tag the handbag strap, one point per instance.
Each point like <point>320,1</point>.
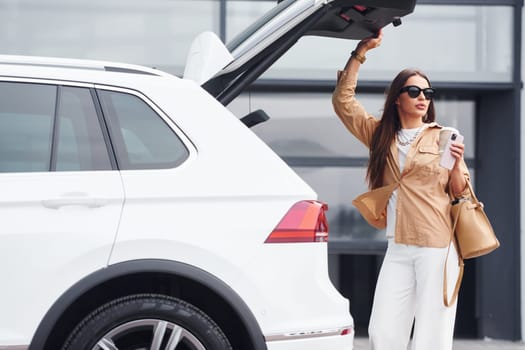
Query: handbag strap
<point>473,198</point>
<point>461,264</point>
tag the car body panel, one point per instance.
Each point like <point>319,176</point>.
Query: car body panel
<point>220,181</point>
<point>314,343</point>
<point>251,183</point>
<point>57,227</point>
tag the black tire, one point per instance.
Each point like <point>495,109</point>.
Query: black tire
<point>136,322</point>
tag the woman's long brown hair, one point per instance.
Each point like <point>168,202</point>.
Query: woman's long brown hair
<point>388,126</point>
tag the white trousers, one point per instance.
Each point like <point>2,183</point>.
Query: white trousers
<point>409,292</point>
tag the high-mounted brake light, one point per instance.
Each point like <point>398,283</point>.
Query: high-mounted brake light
<point>304,222</point>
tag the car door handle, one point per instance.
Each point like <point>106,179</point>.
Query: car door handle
<point>74,199</point>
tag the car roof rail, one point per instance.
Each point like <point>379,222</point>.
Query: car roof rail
<point>79,64</point>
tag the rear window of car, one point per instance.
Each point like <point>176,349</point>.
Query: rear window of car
<point>140,137</point>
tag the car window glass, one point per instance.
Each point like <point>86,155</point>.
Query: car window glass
<point>263,20</point>
<point>26,123</point>
<point>142,140</point>
<point>80,144</point>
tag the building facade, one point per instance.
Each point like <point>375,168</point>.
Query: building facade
<point>470,49</point>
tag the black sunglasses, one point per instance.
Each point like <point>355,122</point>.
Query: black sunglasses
<point>414,91</point>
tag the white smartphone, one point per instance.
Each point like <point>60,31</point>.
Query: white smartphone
<point>447,159</point>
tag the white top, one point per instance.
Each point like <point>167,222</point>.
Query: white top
<point>407,136</point>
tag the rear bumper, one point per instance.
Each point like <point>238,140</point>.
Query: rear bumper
<point>315,340</point>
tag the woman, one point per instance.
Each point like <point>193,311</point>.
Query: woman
<point>410,198</point>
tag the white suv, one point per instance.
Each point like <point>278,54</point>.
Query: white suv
<point>139,213</point>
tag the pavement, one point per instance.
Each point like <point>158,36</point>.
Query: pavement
<point>462,344</point>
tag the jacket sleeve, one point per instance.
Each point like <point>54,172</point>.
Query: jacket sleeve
<point>466,174</point>
<point>360,123</point>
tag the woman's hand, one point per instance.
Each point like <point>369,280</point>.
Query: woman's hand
<point>369,43</point>
<point>457,178</point>
<point>362,47</point>
<point>457,150</point>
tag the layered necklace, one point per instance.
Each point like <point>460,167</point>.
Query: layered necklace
<point>404,140</point>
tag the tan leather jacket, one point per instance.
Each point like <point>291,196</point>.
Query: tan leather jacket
<point>423,202</point>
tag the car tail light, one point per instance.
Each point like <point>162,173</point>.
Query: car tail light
<point>304,222</point>
<point>347,331</point>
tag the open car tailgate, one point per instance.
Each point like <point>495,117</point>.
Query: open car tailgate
<point>255,49</point>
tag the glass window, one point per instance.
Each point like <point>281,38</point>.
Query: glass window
<point>153,33</point>
<point>80,144</point>
<point>448,42</point>
<point>305,125</point>
<point>142,140</point>
<point>255,26</point>
<point>242,15</point>
<point>26,126</point>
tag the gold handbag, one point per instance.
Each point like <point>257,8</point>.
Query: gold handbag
<point>473,235</point>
